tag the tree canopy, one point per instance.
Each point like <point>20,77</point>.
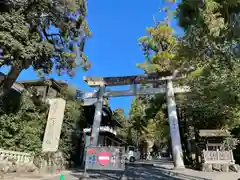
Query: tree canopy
<point>42,34</point>
<point>210,44</point>
<point>148,113</point>
<point>211,39</point>
<point>24,130</point>
<point>125,132</point>
<point>148,120</point>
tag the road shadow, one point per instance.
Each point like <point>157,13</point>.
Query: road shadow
<point>132,173</point>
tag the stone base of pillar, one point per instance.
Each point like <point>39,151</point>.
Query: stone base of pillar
<point>85,176</point>
<point>48,170</point>
<point>123,177</point>
<point>50,162</point>
<point>179,168</point>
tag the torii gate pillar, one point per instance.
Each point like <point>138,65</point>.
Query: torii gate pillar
<point>97,117</point>
<point>174,127</point>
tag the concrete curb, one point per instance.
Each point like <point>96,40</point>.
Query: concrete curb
<point>140,164</point>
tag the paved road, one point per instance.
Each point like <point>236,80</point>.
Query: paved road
<point>162,170</point>
<point>132,173</point>
<point>153,173</point>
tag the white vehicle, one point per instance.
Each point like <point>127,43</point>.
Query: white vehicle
<point>132,154</point>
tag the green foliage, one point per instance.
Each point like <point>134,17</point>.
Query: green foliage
<point>26,37</point>
<point>148,120</point>
<point>159,49</point>
<point>210,43</point>
<point>73,122</point>
<point>26,26</point>
<point>24,130</point>
<point>137,114</point>
<point>230,143</point>
<point>118,114</point>
<point>217,18</point>
<point>68,93</point>
<point>125,132</point>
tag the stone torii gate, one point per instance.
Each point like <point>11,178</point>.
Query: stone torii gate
<point>164,78</point>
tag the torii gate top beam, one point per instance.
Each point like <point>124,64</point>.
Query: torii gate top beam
<point>138,91</point>
<point>128,80</point>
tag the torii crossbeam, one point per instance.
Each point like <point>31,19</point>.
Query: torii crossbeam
<point>163,78</point>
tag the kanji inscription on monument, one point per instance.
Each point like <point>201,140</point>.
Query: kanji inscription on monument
<point>54,125</point>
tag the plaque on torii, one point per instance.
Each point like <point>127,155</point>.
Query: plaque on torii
<point>165,87</point>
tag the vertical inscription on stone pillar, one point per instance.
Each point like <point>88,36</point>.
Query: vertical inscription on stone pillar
<point>54,125</point>
<point>174,127</point>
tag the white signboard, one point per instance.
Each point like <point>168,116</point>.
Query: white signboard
<point>54,125</point>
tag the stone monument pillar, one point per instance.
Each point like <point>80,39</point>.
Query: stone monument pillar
<point>53,130</point>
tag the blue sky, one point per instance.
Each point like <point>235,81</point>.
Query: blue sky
<point>113,50</point>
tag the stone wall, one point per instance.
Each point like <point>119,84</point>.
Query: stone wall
<point>20,162</point>
<point>13,161</point>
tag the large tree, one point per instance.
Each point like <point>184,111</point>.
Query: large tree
<point>148,119</point>
<point>124,132</point>
<point>211,43</point>
<point>160,48</point>
<point>42,34</point>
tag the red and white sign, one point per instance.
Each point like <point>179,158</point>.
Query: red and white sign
<point>104,158</point>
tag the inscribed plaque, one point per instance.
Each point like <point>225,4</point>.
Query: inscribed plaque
<point>54,125</point>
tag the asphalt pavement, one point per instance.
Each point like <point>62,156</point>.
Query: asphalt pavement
<point>154,170</point>
<point>131,172</point>
<point>142,170</point>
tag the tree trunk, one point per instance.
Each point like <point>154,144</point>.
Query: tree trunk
<point>137,143</point>
<point>197,149</point>
<point>10,79</point>
<point>150,143</point>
